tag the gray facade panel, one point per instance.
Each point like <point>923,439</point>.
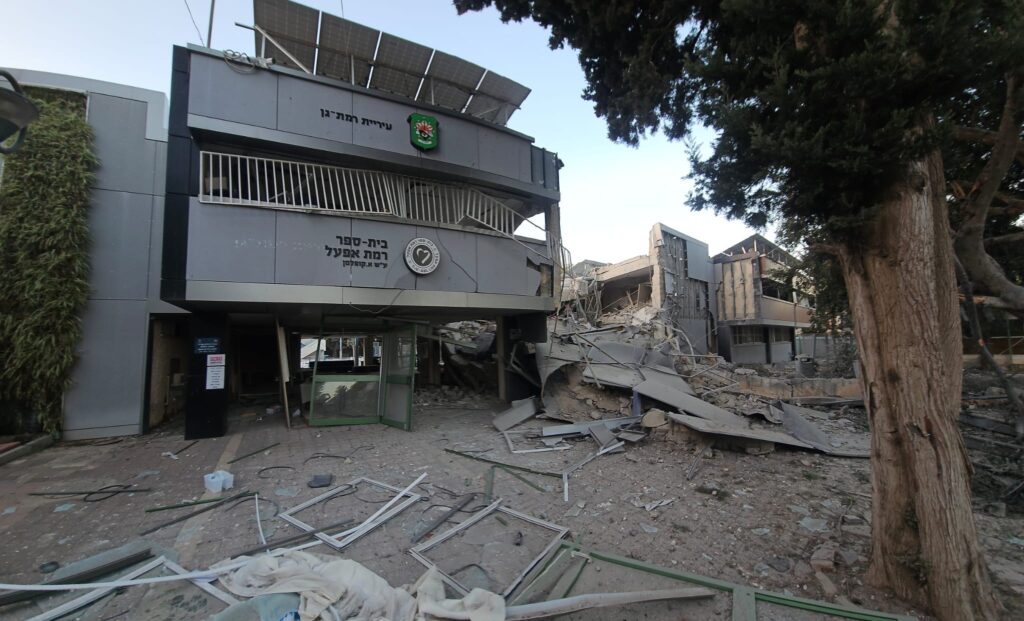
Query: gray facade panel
<point>160,170</point>
<point>459,143</point>
<point>127,159</point>
<point>458,266</point>
<point>782,351</point>
<point>752,353</point>
<point>304,250</point>
<point>119,227</point>
<point>156,248</point>
<point>313,109</point>
<point>505,155</point>
<point>501,267</point>
<point>217,91</point>
<point>230,243</point>
<point>394,135</point>
<point>380,248</point>
<point>698,264</point>
<point>108,377</point>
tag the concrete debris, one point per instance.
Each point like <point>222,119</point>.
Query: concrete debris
<point>827,586</point>
<point>521,411</point>
<point>814,525</point>
<point>653,418</point>
<point>823,558</point>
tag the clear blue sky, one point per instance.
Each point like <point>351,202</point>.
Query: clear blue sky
<point>611,194</point>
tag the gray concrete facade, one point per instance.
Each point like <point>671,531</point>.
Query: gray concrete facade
<point>107,395</point>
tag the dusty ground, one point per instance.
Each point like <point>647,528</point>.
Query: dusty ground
<point>738,519</point>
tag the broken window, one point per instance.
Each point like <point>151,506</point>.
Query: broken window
<point>745,335</point>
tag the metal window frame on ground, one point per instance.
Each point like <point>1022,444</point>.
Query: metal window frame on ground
<point>333,540</point>
<point>90,597</point>
<point>744,598</point>
<point>419,552</point>
<point>508,440</point>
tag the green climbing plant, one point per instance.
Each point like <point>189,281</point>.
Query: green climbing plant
<point>44,260</point>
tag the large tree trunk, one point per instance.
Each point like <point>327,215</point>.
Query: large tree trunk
<point>902,295</point>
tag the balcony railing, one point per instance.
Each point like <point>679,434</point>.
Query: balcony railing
<point>281,184</point>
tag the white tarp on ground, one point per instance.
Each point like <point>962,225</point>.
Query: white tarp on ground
<point>333,588</point>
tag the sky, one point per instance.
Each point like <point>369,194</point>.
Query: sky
<point>611,193</point>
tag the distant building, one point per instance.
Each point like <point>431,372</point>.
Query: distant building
<point>762,302</point>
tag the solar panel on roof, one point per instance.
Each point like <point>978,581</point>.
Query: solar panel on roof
<point>397,53</point>
<point>344,46</point>
<point>349,51</point>
<point>292,25</point>
<point>450,80</point>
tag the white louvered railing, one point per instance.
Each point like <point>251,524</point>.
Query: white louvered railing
<point>264,182</point>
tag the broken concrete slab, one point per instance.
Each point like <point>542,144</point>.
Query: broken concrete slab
<point>713,427</point>
<point>689,404</point>
<point>608,375</point>
<point>801,428</point>
<point>668,377</point>
<point>521,411</point>
<point>602,435</point>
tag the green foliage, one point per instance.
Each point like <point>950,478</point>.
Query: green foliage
<point>817,106</point>
<point>44,258</point>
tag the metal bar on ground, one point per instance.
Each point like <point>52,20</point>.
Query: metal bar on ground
<point>434,525</point>
<point>254,452</point>
<point>92,596</point>
<point>182,518</point>
<point>87,575</point>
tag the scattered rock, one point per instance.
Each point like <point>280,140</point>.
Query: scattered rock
<point>827,586</point>
<point>762,569</point>
<point>995,391</point>
<point>823,558</point>
<point>815,525</point>
<point>799,509</point>
<point>761,531</point>
<point>576,509</point>
<point>745,371</point>
<point>654,418</point>
<point>780,564</point>
<point>861,530</point>
<point>849,557</point>
<point>802,569</point>
<point>596,415</point>
<point>49,567</point>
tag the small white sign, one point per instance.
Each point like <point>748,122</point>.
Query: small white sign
<point>215,378</point>
<point>215,360</point>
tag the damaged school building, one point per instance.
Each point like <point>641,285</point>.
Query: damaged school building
<point>316,248</point>
<point>348,192</point>
<point>748,303</point>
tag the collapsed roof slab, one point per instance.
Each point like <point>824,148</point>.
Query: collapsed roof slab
<point>637,267</point>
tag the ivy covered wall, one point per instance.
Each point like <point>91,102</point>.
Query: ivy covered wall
<point>44,260</point>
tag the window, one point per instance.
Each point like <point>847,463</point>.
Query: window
<point>780,335</point>
<point>747,335</point>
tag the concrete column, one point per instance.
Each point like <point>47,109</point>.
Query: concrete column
<point>501,335</point>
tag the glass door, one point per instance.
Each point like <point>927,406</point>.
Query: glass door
<point>398,370</point>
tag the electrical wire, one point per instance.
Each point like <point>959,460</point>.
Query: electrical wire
<point>189,9</point>
<point>237,60</point>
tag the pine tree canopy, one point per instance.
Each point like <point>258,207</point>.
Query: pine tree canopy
<point>817,106</point>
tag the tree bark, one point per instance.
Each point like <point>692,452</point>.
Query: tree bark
<point>903,301</point>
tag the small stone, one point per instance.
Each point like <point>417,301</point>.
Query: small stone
<point>745,371</point>
<point>802,569</point>
<point>799,509</point>
<point>814,525</point>
<point>861,530</point>
<point>596,415</point>
<point>823,558</point>
<point>632,532</point>
<point>762,569</point>
<point>827,586</point>
<point>49,567</point>
<point>780,564</point>
<point>849,557</point>
<point>761,531</point>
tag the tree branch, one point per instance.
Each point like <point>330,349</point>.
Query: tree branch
<point>976,204</point>
<point>1004,239</point>
<point>970,315</point>
<point>983,136</point>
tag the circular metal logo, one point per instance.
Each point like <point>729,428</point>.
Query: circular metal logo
<point>422,256</point>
